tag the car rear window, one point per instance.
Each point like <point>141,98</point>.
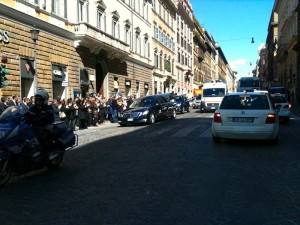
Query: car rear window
<point>245,101</point>
<point>279,99</point>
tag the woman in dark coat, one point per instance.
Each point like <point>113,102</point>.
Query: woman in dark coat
<point>82,112</point>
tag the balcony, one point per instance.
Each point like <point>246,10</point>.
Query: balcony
<point>97,40</point>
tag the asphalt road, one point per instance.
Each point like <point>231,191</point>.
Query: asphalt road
<point>167,173</point>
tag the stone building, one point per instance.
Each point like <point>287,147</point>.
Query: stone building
<point>164,45</point>
<point>199,55</point>
<point>83,47</point>
<point>284,69</point>
<point>184,62</point>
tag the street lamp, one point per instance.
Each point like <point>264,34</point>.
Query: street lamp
<point>34,36</point>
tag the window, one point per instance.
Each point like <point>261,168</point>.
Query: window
<point>138,43</point>
<point>101,16</point>
<point>115,29</point>
<point>167,65</point>
<point>156,60</point>
<point>58,7</point>
<point>138,40</point>
<point>160,60</point>
<point>127,36</point>
<point>146,46</point>
<point>100,19</point>
<point>80,10</point>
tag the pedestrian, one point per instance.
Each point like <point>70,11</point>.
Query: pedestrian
<point>54,105</point>
<point>3,104</point>
<point>14,101</point>
<point>82,111</point>
<point>25,104</point>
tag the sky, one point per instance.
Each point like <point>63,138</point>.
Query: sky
<point>233,24</point>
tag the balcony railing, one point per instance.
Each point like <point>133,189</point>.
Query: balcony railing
<point>93,38</point>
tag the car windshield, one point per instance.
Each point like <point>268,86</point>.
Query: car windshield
<point>143,102</point>
<point>213,92</point>
<point>245,101</point>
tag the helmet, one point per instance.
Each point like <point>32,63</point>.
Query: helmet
<point>43,94</point>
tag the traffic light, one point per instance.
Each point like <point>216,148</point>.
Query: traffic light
<point>3,73</point>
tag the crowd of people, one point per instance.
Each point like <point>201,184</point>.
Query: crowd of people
<point>80,113</point>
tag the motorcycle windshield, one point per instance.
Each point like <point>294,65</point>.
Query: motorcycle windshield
<point>12,114</point>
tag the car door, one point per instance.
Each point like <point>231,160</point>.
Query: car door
<point>163,105</point>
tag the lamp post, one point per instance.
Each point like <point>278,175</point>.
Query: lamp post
<point>34,36</point>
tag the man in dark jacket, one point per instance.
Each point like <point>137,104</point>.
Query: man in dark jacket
<point>3,104</point>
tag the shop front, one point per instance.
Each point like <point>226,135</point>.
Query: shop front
<point>27,75</point>
<point>59,81</point>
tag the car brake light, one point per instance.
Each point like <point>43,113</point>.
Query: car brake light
<point>217,118</point>
<point>271,118</point>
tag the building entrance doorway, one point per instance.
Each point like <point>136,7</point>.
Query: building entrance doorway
<point>100,78</point>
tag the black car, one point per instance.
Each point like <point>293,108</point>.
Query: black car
<point>147,110</point>
<point>182,103</point>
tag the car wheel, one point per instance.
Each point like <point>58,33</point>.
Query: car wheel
<point>173,114</point>
<point>5,171</point>
<point>216,139</point>
<point>151,118</point>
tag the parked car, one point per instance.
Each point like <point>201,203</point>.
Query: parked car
<point>197,102</point>
<point>283,107</point>
<point>147,110</point>
<point>248,115</point>
<point>182,103</point>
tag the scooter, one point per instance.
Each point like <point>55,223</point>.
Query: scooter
<point>20,150</point>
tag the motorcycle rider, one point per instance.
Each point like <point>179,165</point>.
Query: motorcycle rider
<point>39,116</point>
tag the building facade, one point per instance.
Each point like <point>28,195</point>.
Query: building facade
<point>83,47</point>
<point>184,62</point>
<point>111,47</point>
<point>286,46</point>
<point>164,45</point>
<point>199,55</point>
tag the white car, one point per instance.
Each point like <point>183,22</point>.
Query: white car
<point>246,115</point>
<point>284,107</point>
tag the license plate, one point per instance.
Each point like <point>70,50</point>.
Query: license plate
<point>130,119</point>
<point>242,119</point>
<point>212,107</point>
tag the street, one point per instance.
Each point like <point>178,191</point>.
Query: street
<point>167,173</point>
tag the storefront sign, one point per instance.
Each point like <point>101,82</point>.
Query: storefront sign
<point>127,83</point>
<point>4,36</point>
<point>58,73</point>
<point>65,82</point>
